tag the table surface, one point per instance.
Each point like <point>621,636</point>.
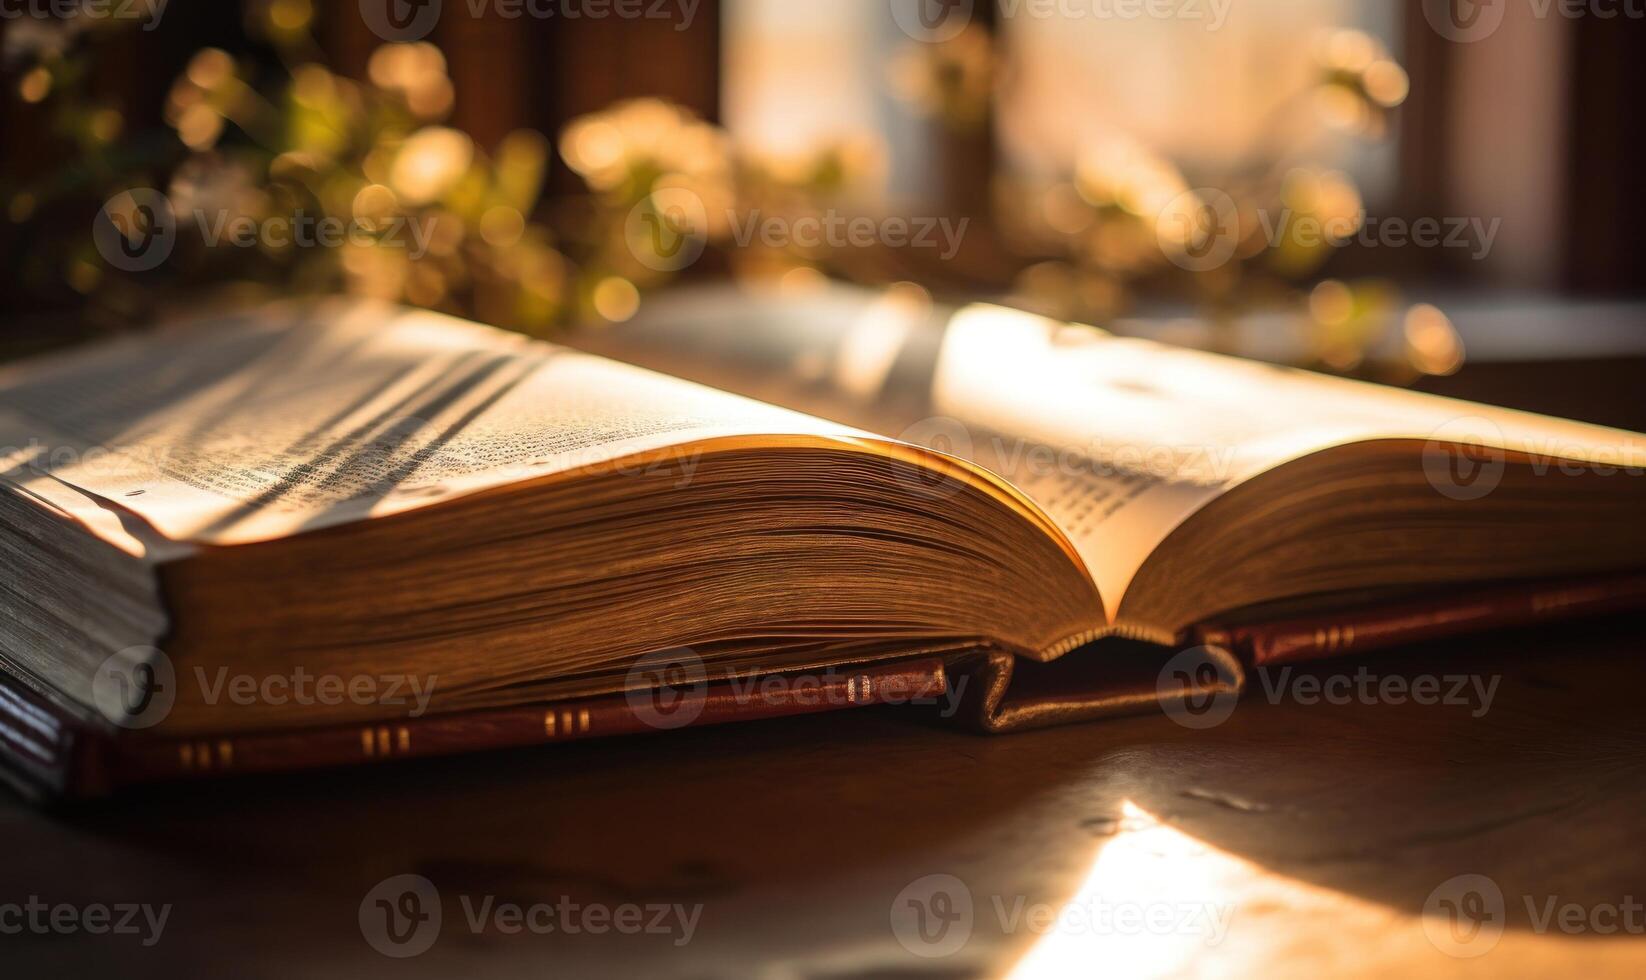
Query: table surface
<point>1298,836</point>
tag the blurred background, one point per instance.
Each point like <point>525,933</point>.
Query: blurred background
<point>1428,192</point>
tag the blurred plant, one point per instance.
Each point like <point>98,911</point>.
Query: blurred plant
<point>1126,223</point>
<point>417,212</point>
<point>666,187</point>
<point>436,221</point>
<point>951,80</point>
<point>660,183</point>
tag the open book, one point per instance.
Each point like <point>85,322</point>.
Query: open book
<point>471,539</point>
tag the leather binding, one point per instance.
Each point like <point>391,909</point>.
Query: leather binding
<point>47,752</point>
<point>1005,693</point>
<point>1377,627</point>
<point>1008,693</point>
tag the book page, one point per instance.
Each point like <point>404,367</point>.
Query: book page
<point>266,424</point>
<point>1118,440</point>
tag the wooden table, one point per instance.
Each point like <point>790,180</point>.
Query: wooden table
<point>1292,839</point>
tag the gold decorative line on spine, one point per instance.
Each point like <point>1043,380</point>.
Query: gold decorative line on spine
<point>204,755</point>
<point>1550,601</point>
<point>403,738</point>
<point>548,723</point>
<point>566,722</point>
<point>366,743</point>
<point>583,720</point>
<point>383,742</point>
<point>1334,639</point>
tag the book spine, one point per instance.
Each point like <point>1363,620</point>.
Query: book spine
<point>1360,631</point>
<point>139,758</point>
<point>44,751</point>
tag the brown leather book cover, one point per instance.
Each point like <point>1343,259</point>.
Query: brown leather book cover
<point>48,752</point>
<point>1453,613</point>
<point>1006,693</point>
